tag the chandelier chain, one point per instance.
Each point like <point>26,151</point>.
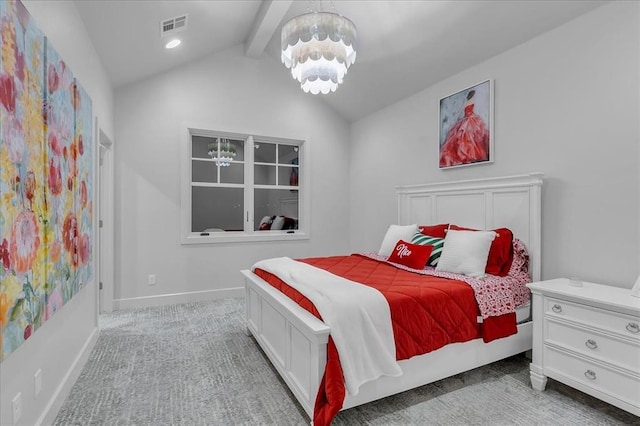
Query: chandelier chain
<point>316,6</point>
<point>333,7</point>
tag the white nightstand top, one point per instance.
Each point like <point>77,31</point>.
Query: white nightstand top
<point>598,295</point>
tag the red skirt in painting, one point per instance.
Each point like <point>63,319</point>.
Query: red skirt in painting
<point>466,142</point>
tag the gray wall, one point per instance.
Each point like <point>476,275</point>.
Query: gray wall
<point>260,98</point>
<point>566,105</point>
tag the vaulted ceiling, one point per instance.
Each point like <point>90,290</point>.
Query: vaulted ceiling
<point>403,46</point>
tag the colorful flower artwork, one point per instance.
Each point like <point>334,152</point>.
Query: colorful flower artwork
<point>46,180</point>
<point>83,143</point>
<point>61,171</point>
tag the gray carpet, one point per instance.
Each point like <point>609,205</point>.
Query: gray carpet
<point>192,364</point>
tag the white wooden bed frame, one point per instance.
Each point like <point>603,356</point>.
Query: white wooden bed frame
<point>296,342</point>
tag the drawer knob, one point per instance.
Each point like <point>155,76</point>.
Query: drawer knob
<point>633,327</point>
<point>590,374</point>
<point>557,309</point>
<point>591,344</point>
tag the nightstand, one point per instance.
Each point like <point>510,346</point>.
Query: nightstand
<point>588,338</point>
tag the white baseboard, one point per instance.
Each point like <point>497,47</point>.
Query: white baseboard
<point>62,391</point>
<point>170,299</point>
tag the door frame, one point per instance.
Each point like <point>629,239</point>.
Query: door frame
<point>105,223</point>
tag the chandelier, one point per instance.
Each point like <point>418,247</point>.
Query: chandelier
<point>319,47</point>
<point>222,152</point>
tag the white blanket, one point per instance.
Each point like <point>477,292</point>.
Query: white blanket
<point>358,315</point>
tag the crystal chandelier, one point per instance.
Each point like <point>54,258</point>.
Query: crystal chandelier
<point>319,47</point>
<point>222,152</point>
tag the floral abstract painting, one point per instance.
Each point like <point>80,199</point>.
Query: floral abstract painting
<point>46,180</point>
<point>61,170</point>
<point>466,133</point>
<point>23,214</point>
<point>83,142</point>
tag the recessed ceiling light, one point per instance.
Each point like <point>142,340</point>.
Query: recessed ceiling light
<point>173,43</point>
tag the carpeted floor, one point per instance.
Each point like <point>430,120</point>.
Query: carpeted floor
<point>192,364</point>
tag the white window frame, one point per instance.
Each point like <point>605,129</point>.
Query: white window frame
<point>248,235</point>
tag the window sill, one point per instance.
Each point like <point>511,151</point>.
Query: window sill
<point>243,237</point>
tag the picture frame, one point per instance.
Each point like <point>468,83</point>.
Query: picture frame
<point>465,127</point>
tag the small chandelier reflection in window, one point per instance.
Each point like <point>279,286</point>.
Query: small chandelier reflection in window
<point>222,152</point>
<point>319,47</point>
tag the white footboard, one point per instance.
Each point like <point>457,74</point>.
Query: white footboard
<point>294,340</point>
<point>296,343</point>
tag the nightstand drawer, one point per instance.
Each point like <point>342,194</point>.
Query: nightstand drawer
<point>617,384</point>
<point>606,348</point>
<point>606,320</point>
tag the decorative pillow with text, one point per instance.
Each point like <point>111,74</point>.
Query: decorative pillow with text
<point>412,255</point>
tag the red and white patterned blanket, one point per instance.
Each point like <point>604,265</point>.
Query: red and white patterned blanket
<point>495,295</point>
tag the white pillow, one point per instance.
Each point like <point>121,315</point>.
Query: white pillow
<point>278,223</point>
<point>394,234</point>
<point>265,220</point>
<point>465,252</point>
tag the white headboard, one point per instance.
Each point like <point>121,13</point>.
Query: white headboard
<point>512,202</point>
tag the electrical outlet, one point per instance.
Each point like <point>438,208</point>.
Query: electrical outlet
<point>37,382</point>
<point>152,279</point>
<point>16,405</point>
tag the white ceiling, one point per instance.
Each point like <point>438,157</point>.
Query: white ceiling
<point>403,46</point>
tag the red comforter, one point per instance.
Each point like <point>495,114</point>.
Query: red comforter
<point>427,313</point>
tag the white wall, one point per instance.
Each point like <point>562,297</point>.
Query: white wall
<point>567,105</point>
<point>232,91</point>
<point>60,346</point>
<point>61,23</point>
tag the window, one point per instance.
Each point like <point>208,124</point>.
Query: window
<point>239,187</point>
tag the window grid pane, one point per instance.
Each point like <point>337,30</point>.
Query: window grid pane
<point>216,209</point>
<point>265,152</point>
<point>264,174</point>
<point>275,209</point>
<point>219,194</point>
<point>284,172</point>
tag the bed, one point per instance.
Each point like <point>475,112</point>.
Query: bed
<point>296,342</point>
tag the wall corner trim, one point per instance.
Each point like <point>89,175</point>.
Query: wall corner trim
<point>64,388</point>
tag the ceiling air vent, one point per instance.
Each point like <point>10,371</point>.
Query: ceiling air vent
<point>173,25</point>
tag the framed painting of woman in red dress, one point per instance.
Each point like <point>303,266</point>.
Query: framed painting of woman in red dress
<point>466,127</point>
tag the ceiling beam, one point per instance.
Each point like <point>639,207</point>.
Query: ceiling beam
<point>266,23</point>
